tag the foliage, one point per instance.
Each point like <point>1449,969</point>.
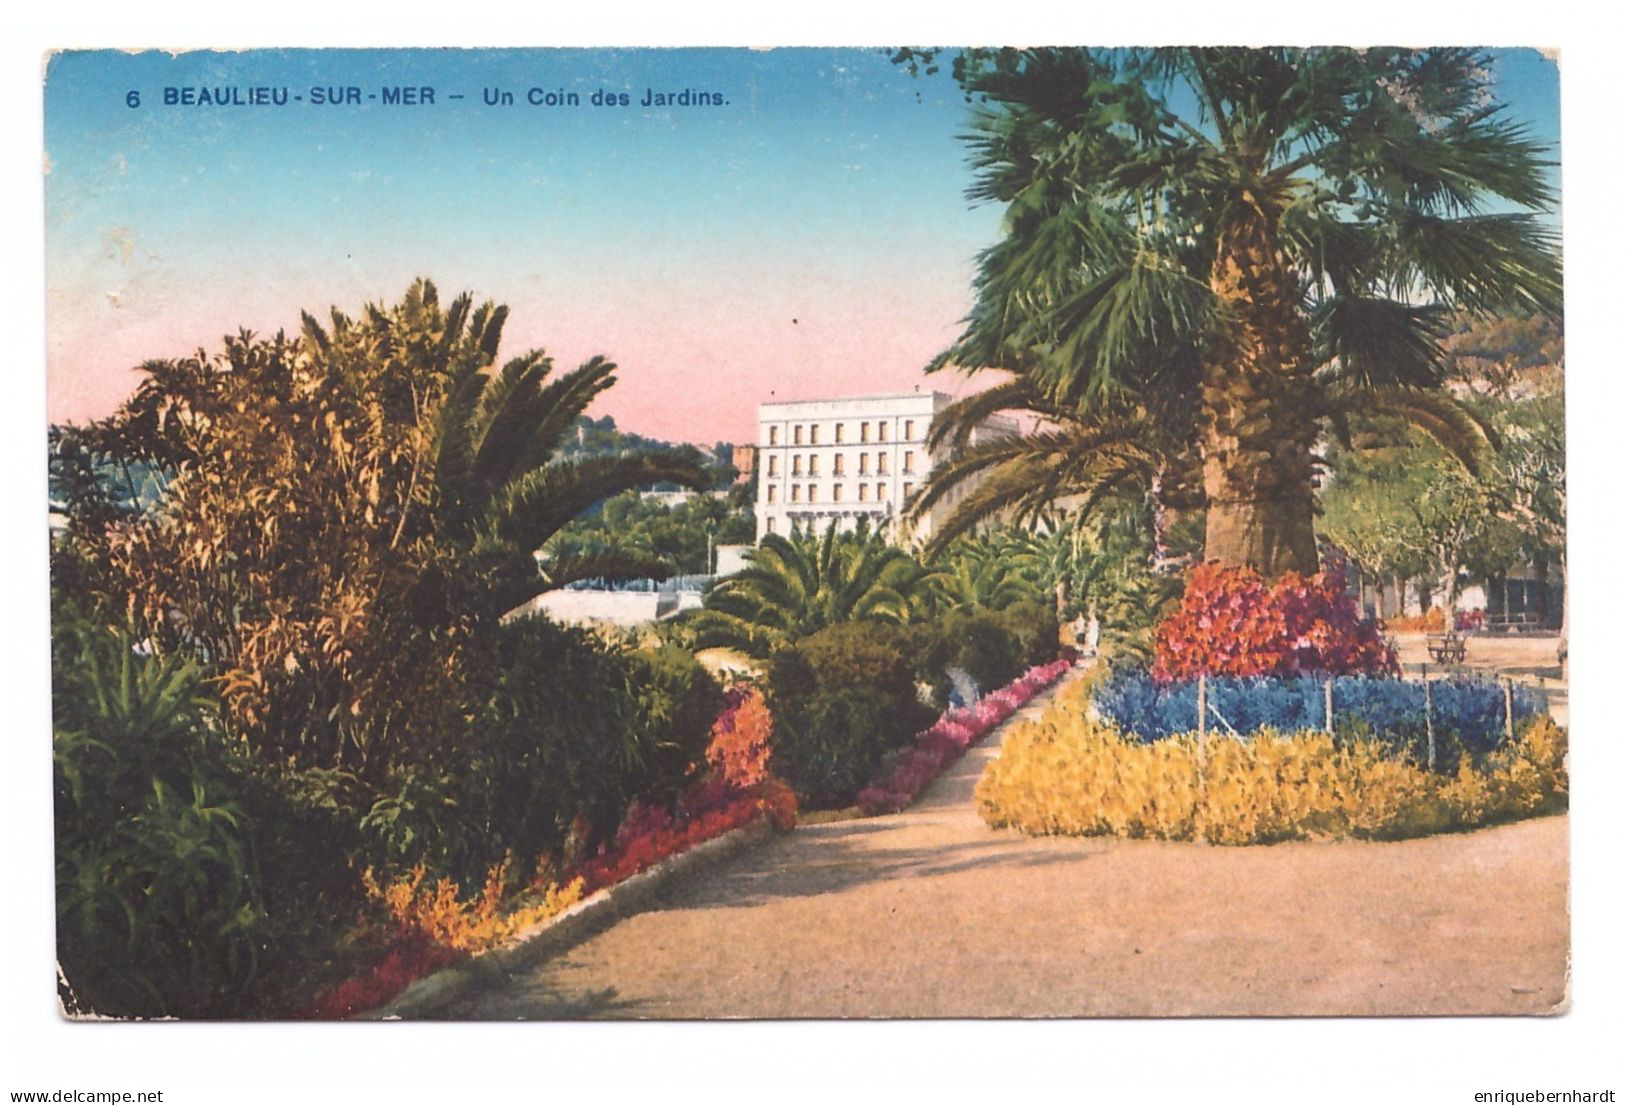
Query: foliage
<point>841,700</point>
<point>1210,254</point>
<point>1431,622</point>
<point>1230,622</point>
<point>799,584</point>
<point>1469,715</point>
<point>162,901</point>
<point>948,739</point>
<point>681,536</point>
<point>989,571</point>
<point>741,738</point>
<point>343,513</point>
<point>1113,567</point>
<point>992,647</point>
<point>569,727</point>
<point>1066,774</point>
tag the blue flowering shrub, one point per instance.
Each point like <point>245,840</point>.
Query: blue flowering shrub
<point>1468,714</point>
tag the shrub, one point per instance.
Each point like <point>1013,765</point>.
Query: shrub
<point>162,907</point>
<point>740,748</point>
<point>841,700</point>
<point>1469,714</point>
<point>1230,622</point>
<point>569,728</point>
<point>1066,774</point>
<point>675,703</point>
<point>979,643</point>
<point>1431,622</point>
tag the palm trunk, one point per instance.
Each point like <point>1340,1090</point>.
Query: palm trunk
<point>1258,428</point>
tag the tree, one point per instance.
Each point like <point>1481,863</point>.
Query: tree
<point>1243,247</point>
<point>798,584</point>
<point>990,572</point>
<point>344,511</point>
<point>1367,512</point>
<point>681,536</point>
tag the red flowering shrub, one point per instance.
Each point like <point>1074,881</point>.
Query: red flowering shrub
<point>429,927</point>
<point>1231,622</point>
<point>410,957</point>
<point>740,739</point>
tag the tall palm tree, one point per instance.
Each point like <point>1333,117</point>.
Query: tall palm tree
<point>798,584</point>
<point>1240,248</point>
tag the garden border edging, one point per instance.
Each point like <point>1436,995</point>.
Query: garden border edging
<point>556,934</point>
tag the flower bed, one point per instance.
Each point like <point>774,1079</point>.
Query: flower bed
<point>954,732</point>
<point>1068,774</point>
<point>1467,712</point>
<point>429,926</point>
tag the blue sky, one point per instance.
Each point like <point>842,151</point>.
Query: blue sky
<point>809,236</point>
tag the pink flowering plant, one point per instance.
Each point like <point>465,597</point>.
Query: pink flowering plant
<point>934,749</point>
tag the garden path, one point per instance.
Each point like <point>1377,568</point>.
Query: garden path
<point>930,913</point>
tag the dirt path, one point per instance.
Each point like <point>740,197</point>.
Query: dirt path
<point>929,913</point>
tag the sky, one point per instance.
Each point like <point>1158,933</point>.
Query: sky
<point>808,236</point>
<point>1207,1060</point>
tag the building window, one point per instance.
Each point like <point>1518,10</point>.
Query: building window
<point>772,435</point>
<point>880,492</point>
<point>812,465</point>
<point>773,466</point>
<point>880,427</point>
<point>772,494</point>
<point>812,493</point>
<point>835,493</point>
<point>908,430</point>
<point>795,493</point>
<point>770,525</point>
<point>880,464</point>
<point>813,433</point>
<point>863,431</point>
<point>908,460</point>
<point>863,464</point>
<point>908,489</point>
<point>840,436</point>
<point>795,465</point>
<point>840,465</point>
<point>798,435</point>
<point>863,492</point>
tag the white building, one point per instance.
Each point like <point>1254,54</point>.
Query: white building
<point>839,460</point>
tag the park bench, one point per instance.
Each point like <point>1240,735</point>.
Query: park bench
<point>1450,648</point>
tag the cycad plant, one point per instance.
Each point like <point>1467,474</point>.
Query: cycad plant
<point>503,492</point>
<point>798,584</point>
<point>1234,250</point>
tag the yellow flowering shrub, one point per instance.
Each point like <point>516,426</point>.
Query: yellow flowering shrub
<point>471,925</point>
<point>1066,773</point>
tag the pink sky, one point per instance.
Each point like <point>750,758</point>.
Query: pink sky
<point>696,357</point>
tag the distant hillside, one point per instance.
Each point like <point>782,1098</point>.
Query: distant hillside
<point>601,437</point>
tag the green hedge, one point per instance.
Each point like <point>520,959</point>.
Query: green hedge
<point>842,699</point>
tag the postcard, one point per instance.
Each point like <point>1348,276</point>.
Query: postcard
<point>807,533</point>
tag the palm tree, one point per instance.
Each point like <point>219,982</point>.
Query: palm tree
<point>487,478</point>
<point>990,572</point>
<point>798,584</point>
<point>1237,249</point>
<point>504,493</point>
